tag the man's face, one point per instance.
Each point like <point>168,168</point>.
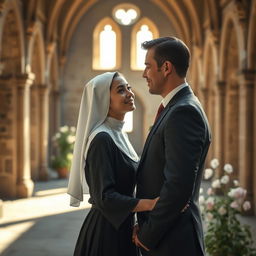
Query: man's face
<point>154,75</point>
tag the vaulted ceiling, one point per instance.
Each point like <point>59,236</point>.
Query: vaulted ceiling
<point>62,16</point>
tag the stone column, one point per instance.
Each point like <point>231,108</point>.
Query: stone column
<point>8,137</point>
<point>205,98</point>
<point>44,128</point>
<point>231,131</point>
<point>246,133</point>
<point>54,117</point>
<point>24,183</point>
<point>219,123</point>
<point>56,109</point>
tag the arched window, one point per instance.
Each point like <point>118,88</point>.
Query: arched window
<point>144,34</point>
<point>143,31</point>
<point>106,45</point>
<point>126,14</point>
<point>107,48</point>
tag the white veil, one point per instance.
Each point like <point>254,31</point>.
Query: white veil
<point>93,111</point>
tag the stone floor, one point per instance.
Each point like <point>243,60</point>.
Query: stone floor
<point>45,224</point>
<point>42,225</point>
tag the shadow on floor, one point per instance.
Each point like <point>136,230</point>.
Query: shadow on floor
<point>47,236</point>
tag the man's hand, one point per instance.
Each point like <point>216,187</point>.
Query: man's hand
<point>135,238</point>
<point>139,244</point>
<point>185,208</point>
<point>134,232</point>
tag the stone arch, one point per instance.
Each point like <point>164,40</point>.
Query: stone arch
<point>231,61</point>
<point>195,75</point>
<point>195,23</point>
<point>11,38</point>
<point>252,38</point>
<point>231,24</point>
<point>252,66</point>
<point>70,27</point>
<point>36,53</point>
<point>36,64</point>
<point>178,19</point>
<point>11,67</point>
<point>210,69</point>
<point>54,100</point>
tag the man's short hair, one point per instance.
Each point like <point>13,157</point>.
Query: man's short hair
<point>170,49</point>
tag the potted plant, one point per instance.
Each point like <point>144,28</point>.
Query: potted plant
<point>225,200</point>
<point>63,143</point>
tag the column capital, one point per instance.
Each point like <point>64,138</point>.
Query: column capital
<point>51,47</point>
<point>24,80</point>
<point>247,77</point>
<point>56,93</point>
<point>205,91</point>
<point>221,87</point>
<point>43,88</point>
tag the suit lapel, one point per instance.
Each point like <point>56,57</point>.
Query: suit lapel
<point>183,92</point>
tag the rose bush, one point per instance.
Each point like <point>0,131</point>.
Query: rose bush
<point>224,201</point>
<point>63,143</point>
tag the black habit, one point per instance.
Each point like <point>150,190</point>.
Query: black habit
<point>110,175</point>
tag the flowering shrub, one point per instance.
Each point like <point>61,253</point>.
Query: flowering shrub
<point>63,143</point>
<point>225,200</point>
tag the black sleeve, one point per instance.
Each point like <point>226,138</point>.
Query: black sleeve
<point>100,163</point>
<point>184,137</point>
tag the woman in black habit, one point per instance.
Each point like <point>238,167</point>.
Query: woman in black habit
<point>105,160</point>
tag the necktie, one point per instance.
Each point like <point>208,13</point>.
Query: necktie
<point>159,111</point>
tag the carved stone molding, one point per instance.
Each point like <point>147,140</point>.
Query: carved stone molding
<point>221,87</point>
<point>247,77</point>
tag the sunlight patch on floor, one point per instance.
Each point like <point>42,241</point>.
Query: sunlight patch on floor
<point>11,233</point>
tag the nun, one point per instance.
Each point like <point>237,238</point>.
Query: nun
<point>105,160</point>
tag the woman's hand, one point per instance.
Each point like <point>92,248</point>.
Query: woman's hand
<point>145,205</point>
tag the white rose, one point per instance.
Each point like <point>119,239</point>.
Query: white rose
<point>201,208</point>
<point>214,163</point>
<point>210,191</point>
<point>73,129</point>
<point>228,168</point>
<point>246,205</point>
<point>222,210</point>
<point>236,182</point>
<point>210,203</point>
<point>70,139</point>
<point>225,179</point>
<point>240,193</point>
<point>64,128</point>
<point>209,216</point>
<point>234,205</point>
<point>208,173</point>
<point>201,190</point>
<point>216,183</point>
<point>231,193</point>
<point>57,136</point>
<point>69,156</point>
<point>201,200</point>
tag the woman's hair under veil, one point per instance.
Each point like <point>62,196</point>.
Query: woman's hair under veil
<point>93,111</point>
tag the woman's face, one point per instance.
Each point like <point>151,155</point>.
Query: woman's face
<point>121,98</point>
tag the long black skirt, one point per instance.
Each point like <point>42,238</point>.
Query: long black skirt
<point>98,237</point>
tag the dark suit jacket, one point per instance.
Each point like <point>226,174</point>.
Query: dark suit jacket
<point>171,167</point>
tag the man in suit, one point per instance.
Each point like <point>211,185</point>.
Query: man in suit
<point>173,158</point>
